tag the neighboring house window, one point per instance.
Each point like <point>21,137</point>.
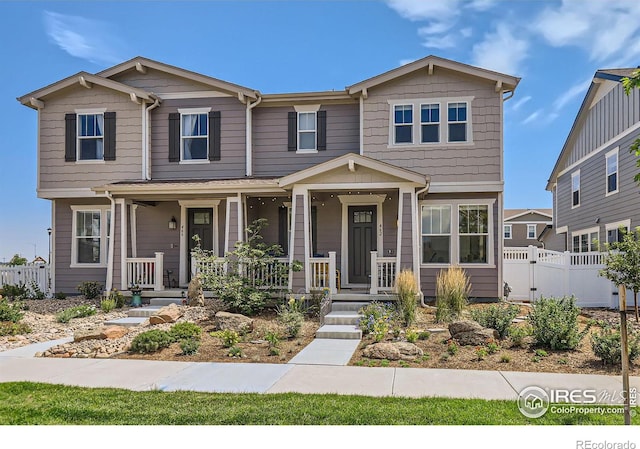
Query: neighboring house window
<point>306,131</point>
<point>403,123</point>
<point>194,134</point>
<point>612,171</point>
<point>531,231</point>
<point>457,120</point>
<point>430,122</point>
<point>90,137</point>
<point>585,241</point>
<point>473,227</point>
<point>91,235</point>
<point>436,234</point>
<point>575,189</point>
<point>617,230</point>
<point>507,231</point>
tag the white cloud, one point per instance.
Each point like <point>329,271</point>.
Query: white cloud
<point>406,61</point>
<point>518,104</point>
<point>482,5</point>
<point>532,117</point>
<point>84,38</point>
<point>440,42</point>
<point>501,51</point>
<point>466,32</point>
<point>425,10</point>
<point>571,93</point>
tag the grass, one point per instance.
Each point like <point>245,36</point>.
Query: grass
<point>27,403</point>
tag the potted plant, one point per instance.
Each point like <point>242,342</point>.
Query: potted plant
<point>136,295</point>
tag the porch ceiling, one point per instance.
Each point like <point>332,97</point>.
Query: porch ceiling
<point>176,188</point>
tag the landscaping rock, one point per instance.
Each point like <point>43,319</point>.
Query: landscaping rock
<point>233,321</point>
<point>92,333</point>
<point>167,314</point>
<point>113,332</point>
<point>400,350</point>
<point>470,333</point>
<point>458,327</point>
<point>195,295</point>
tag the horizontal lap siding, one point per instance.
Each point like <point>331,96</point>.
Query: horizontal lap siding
<point>55,173</point>
<point>444,163</point>
<point>271,157</point>
<point>519,235</point>
<point>329,233</point>
<point>390,225</point>
<point>153,234</point>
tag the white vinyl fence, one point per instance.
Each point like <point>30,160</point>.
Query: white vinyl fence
<point>37,274</point>
<point>532,272</point>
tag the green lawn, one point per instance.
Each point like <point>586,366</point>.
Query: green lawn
<point>26,403</point>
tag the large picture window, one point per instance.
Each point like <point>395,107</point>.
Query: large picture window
<point>436,234</point>
<point>91,234</point>
<point>473,227</point>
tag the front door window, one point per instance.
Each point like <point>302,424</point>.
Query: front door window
<point>362,240</point>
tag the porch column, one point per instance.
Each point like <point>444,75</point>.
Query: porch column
<point>119,238</point>
<point>299,243</point>
<point>234,223</point>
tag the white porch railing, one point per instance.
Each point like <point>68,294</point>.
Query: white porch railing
<point>146,272</point>
<point>323,272</point>
<point>31,274</point>
<point>383,273</point>
<point>272,275</point>
<point>215,267</point>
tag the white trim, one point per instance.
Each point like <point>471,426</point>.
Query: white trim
<point>562,230</point>
<point>359,185</point>
<point>134,230</point>
<point>94,112</point>
<point>76,192</point>
<point>112,231</point>
<point>188,95</point>
<point>102,208</point>
<point>195,161</point>
<point>307,240</point>
<point>500,264</point>
<point>529,212</point>
<point>306,108</point>
<point>439,123</point>
<point>414,240</point>
<point>534,231</point>
<point>574,175</point>
<point>361,125</point>
<point>123,242</point>
<point>292,234</point>
<point>510,231</point>
<point>588,232</point>
<point>307,131</point>
<point>189,111</point>
<point>90,111</point>
<point>231,199</point>
<point>466,187</point>
<point>606,172</point>
<point>399,231</point>
<point>617,224</point>
<point>393,124</point>
<point>194,111</point>
<point>52,262</point>
<point>89,161</point>
<point>38,153</point>
<point>184,225</point>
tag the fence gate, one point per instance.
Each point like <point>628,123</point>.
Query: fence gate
<point>36,275</point>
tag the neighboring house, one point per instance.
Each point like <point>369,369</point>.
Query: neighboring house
<point>402,170</point>
<point>522,227</point>
<point>594,193</point>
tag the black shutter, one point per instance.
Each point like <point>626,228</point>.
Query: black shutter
<point>174,137</point>
<point>322,130</point>
<point>283,240</point>
<point>109,136</point>
<point>214,135</point>
<point>70,137</point>
<point>293,131</point>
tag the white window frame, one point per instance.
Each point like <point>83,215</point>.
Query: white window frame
<point>416,133</point>
<point>194,111</point>
<point>93,111</point>
<point>529,226</point>
<point>423,234</point>
<point>504,231</point>
<point>609,155</point>
<point>454,122</point>
<point>455,235</point>
<point>395,125</point>
<point>588,232</point>
<point>307,131</point>
<point>439,123</point>
<point>616,226</point>
<point>105,211</point>
<point>574,175</point>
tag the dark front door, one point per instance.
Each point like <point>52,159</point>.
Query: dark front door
<point>362,240</point>
<point>200,224</point>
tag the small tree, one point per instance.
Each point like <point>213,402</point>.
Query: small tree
<point>17,259</point>
<point>623,263</point>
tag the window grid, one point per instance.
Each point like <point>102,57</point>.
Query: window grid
<point>430,122</point>
<point>457,121</point>
<point>403,123</point>
<point>507,231</point>
<point>612,172</point>
<point>90,137</point>
<point>436,234</point>
<point>473,227</point>
<point>195,136</point>
<point>307,131</point>
<point>531,231</point>
<point>575,189</point>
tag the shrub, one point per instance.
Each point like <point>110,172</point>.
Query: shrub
<point>452,347</point>
<point>411,335</point>
<point>185,331</point>
<point>107,305</point>
<point>376,319</point>
<point>151,341</point>
<point>493,347</point>
<point>505,358</point>
<point>80,311</point>
<point>555,323</point>
<point>290,316</point>
<point>274,351</point>
<point>60,295</point>
<point>189,346</point>
<point>117,297</point>
<point>90,289</point>
<point>606,346</point>
<point>11,328</point>
<point>34,291</point>
<point>229,338</point>
<point>11,312</point>
<point>424,335</point>
<point>407,289</point>
<point>15,292</point>
<point>496,316</point>
<point>517,334</point>
<point>541,353</point>
<point>481,353</point>
<point>452,293</point>
<point>235,351</point>
<point>273,339</point>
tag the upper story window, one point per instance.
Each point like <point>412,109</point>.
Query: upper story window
<point>507,231</point>
<point>90,137</point>
<point>457,118</point>
<point>612,171</point>
<point>403,123</point>
<point>430,123</point>
<point>531,231</point>
<point>436,233</point>
<point>194,136</point>
<point>575,189</point>
<point>307,131</point>
<point>91,234</point>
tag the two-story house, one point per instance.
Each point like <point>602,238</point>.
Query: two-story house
<point>523,227</point>
<point>402,170</point>
<point>592,184</point>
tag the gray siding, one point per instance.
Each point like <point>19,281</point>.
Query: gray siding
<point>270,156</point>
<point>519,235</point>
<point>233,226</point>
<point>222,222</point>
<point>159,82</point>
<point>232,141</point>
<point>480,161</point>
<point>390,225</point>
<point>406,245</point>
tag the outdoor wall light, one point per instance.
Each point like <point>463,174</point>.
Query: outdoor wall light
<point>173,224</point>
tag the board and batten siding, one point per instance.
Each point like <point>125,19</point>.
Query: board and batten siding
<point>55,173</point>
<point>480,161</point>
<point>232,141</point>
<point>270,155</point>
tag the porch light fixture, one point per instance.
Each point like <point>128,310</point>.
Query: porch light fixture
<point>173,224</point>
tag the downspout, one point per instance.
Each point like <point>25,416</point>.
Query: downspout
<point>146,138</point>
<point>249,135</point>
<point>418,193</point>
<point>112,230</point>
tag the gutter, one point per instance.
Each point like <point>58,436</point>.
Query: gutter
<point>249,134</point>
<point>146,139</point>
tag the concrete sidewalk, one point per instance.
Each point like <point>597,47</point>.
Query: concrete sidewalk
<point>305,376</point>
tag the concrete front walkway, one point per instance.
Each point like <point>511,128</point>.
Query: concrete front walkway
<point>306,375</point>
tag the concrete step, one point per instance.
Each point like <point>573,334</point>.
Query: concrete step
<point>347,306</point>
<point>165,301</point>
<point>143,311</point>
<point>343,317</point>
<point>127,322</point>
<point>363,297</point>
<point>345,332</point>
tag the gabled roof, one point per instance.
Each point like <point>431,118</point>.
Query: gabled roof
<point>352,160</point>
<point>599,77</point>
<point>139,63</point>
<point>503,82</point>
<point>36,98</point>
<point>510,214</point>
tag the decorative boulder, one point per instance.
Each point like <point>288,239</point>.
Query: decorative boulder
<point>233,321</point>
<point>100,333</point>
<point>195,295</point>
<point>470,333</point>
<point>167,314</point>
<point>113,332</point>
<point>393,351</point>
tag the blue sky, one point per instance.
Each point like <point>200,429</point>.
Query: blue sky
<point>554,46</point>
